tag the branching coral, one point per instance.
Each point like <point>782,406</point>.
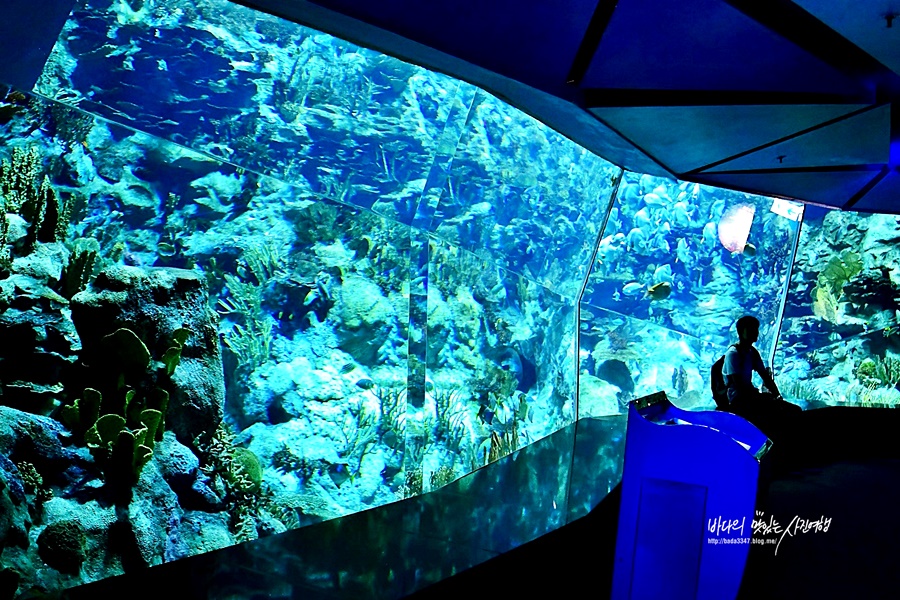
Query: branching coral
<point>251,345</point>
<point>392,424</point>
<point>265,262</point>
<point>238,471</point>
<point>251,342</point>
<point>19,177</point>
<point>359,432</point>
<point>26,192</point>
<point>412,486</point>
<point>450,418</point>
<point>442,477</point>
<point>286,461</point>
<point>34,483</point>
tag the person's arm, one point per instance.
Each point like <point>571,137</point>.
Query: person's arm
<point>767,378</point>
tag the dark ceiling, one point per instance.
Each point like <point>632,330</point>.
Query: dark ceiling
<point>780,97</point>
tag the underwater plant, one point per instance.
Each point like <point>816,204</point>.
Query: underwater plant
<point>880,372</point>
<point>798,390</point>
<point>121,429</point>
<point>450,417</point>
<point>78,272</point>
<point>237,472</point>
<point>391,427</point>
<point>251,342</point>
<point>869,395</point>
<point>359,432</point>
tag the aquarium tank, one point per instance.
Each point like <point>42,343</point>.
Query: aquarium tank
<point>255,278</point>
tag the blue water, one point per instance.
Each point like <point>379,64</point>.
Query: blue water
<point>410,278</point>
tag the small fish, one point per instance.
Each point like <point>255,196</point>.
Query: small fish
<point>652,199</point>
<point>660,243</point>
<point>366,384</point>
<point>164,249</point>
<point>636,239</point>
<point>347,368</point>
<point>681,214</point>
<point>642,220</point>
<point>749,249</point>
<point>633,288</point>
<point>339,474</point>
<point>390,439</point>
<point>659,291</point>
<point>663,273</point>
<point>681,251</point>
<point>647,183</point>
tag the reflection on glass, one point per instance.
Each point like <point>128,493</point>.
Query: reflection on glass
<point>597,463</point>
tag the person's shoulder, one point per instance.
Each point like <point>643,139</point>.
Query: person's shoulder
<point>731,356</point>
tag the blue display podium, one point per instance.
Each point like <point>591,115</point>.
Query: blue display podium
<point>689,491</point>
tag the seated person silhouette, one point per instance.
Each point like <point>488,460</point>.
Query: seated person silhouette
<point>767,410</point>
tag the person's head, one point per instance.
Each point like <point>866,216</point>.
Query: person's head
<point>748,329</point>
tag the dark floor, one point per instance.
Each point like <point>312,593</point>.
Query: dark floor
<point>841,464</point>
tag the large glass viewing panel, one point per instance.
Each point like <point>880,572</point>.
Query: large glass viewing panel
<point>840,340</point>
<point>677,264</point>
<point>256,278</point>
<point>286,317</point>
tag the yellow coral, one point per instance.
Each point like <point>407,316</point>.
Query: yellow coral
<point>824,304</point>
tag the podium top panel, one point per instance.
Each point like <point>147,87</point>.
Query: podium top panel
<point>657,410</point>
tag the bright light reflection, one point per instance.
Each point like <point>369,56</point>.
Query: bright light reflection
<point>734,227</point>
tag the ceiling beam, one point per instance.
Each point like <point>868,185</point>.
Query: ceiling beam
<point>591,40</point>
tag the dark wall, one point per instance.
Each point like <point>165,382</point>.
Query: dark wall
<point>28,31</point>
